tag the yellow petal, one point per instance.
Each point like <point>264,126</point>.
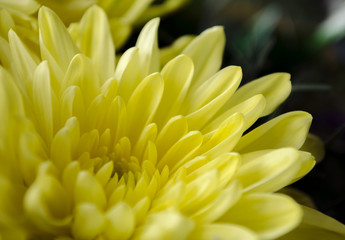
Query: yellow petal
<point>42,101</point>
<point>128,73</point>
<point>168,225</point>
<point>275,87</point>
<point>268,215</point>
<point>223,231</point>
<point>224,138</point>
<point>89,190</point>
<point>136,9</point>
<point>81,72</point>
<point>316,225</point>
<point>95,41</point>
<point>276,133</point>
<point>206,51</point>
<point>175,129</point>
<point>268,171</point>
<point>47,205</point>
<point>210,96</point>
<point>148,48</point>
<point>27,6</point>
<point>251,110</point>
<point>88,221</point>
<point>121,222</point>
<point>177,75</point>
<point>23,63</point>
<point>5,54</point>
<point>54,37</point>
<point>143,104</point>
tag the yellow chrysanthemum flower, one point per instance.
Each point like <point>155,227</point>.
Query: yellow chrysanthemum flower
<point>93,151</point>
<point>122,15</point>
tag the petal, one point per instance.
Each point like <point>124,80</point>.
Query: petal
<point>268,215</point>
<point>23,63</point>
<point>316,225</point>
<point>148,48</point>
<point>137,7</point>
<point>177,75</point>
<point>88,221</point>
<point>47,205</point>
<point>95,41</point>
<point>223,231</point>
<point>204,102</point>
<point>81,72</point>
<point>89,190</point>
<point>314,145</point>
<point>54,37</point>
<point>268,171</point>
<point>206,51</point>
<point>128,73</point>
<point>251,110</point>
<point>277,133</point>
<point>143,104</point>
<point>121,222</point>
<point>42,101</point>
<point>27,6</point>
<point>168,224</point>
<point>275,87</point>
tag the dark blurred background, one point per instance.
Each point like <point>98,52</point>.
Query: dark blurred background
<point>303,37</point>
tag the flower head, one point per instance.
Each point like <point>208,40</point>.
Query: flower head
<point>139,151</point>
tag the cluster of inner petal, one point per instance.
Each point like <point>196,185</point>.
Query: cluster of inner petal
<point>93,151</point>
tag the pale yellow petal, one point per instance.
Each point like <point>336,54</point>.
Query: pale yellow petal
<point>23,65</point>
<point>88,221</point>
<point>26,6</point>
<point>275,87</point>
<point>223,231</point>
<point>316,225</point>
<point>54,37</point>
<point>168,225</point>
<point>95,41</point>
<point>42,101</point>
<point>276,133</point>
<point>206,51</point>
<point>268,171</point>
<point>268,215</point>
<point>251,110</point>
<point>143,104</point>
<point>47,205</point>
<point>177,75</point>
<point>128,73</point>
<point>81,72</point>
<point>204,102</point>
<point>121,222</point>
<point>5,54</point>
<point>136,9</point>
<point>89,190</point>
<point>148,48</point>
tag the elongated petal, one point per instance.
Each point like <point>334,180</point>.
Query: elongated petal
<point>148,48</point>
<point>43,100</point>
<point>54,37</point>
<point>177,75</point>
<point>269,171</point>
<point>316,225</point>
<point>206,51</point>
<point>268,215</point>
<point>143,104</point>
<point>96,42</point>
<point>277,133</point>
<point>275,87</point>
